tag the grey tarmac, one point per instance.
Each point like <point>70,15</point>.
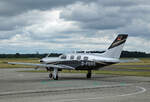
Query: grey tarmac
<point>71,87</point>
<point>127,68</point>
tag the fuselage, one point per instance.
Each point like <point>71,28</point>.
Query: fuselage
<point>81,61</point>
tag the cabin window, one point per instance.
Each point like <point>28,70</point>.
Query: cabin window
<point>72,57</point>
<point>86,58</point>
<point>78,57</point>
<point>63,57</point>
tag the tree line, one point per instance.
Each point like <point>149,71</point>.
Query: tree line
<point>124,54</point>
<point>134,54</point>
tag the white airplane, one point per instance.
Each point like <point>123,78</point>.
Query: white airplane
<point>82,61</point>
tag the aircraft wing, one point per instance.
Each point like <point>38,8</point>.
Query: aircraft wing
<point>42,65</point>
<point>129,60</point>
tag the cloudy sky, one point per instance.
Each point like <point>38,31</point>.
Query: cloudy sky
<point>30,26</point>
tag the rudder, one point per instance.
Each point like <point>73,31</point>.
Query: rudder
<point>115,49</point>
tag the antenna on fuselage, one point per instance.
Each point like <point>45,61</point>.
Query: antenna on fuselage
<point>47,54</point>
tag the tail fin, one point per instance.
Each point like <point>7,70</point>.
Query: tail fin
<point>115,49</point>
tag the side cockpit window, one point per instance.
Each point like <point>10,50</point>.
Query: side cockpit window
<point>85,58</point>
<point>63,57</point>
<point>71,57</point>
<point>78,57</point>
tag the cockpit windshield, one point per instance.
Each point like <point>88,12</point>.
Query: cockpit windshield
<point>63,57</point>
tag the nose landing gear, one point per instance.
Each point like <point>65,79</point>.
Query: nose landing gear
<point>54,75</point>
<point>50,75</point>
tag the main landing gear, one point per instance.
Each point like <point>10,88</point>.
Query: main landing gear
<point>54,75</point>
<point>89,74</point>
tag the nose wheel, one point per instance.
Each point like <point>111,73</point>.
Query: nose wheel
<point>54,75</point>
<point>50,75</point>
<point>55,78</point>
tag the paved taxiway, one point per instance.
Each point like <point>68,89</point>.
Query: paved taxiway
<point>127,68</point>
<point>36,87</point>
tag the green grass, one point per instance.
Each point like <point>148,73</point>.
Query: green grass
<point>143,61</point>
<point>131,68</point>
<point>28,60</point>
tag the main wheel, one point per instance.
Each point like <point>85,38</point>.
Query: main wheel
<point>88,75</point>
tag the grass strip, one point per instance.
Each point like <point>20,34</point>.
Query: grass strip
<point>131,68</point>
<point>27,60</point>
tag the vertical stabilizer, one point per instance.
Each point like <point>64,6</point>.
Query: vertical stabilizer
<point>115,49</point>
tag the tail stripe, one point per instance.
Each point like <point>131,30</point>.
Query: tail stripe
<point>119,40</point>
<point>115,49</point>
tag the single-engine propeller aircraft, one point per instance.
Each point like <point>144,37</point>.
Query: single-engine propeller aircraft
<point>82,61</point>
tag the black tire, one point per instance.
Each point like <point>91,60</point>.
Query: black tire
<point>88,75</point>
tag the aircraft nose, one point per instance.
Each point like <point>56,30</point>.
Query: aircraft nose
<point>41,60</point>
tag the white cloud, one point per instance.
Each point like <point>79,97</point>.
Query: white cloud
<point>48,24</point>
<point>43,27</point>
<point>81,25</point>
<point>137,44</point>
